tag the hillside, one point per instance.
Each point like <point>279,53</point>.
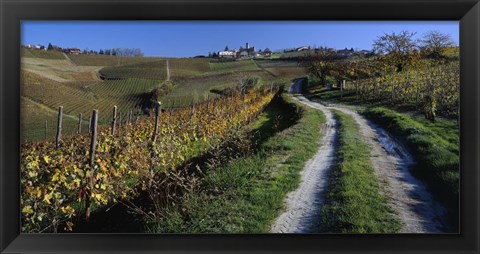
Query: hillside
<point>81,83</point>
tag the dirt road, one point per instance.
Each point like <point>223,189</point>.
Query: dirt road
<point>391,160</point>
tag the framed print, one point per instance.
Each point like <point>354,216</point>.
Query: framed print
<point>239,126</point>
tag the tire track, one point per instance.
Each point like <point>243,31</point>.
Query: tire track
<point>304,204</point>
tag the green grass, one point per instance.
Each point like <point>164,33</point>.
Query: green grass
<point>246,195</point>
<point>435,148</point>
<point>354,203</point>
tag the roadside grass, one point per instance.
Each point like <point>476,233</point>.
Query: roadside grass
<point>354,203</point>
<point>246,194</point>
<point>435,147</point>
<point>445,128</point>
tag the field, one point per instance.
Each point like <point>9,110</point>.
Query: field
<point>81,83</point>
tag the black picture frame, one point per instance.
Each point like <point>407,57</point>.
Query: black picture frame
<point>13,11</point>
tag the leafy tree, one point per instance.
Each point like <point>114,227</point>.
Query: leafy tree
<point>320,64</point>
<point>226,48</point>
<point>50,46</point>
<point>101,52</point>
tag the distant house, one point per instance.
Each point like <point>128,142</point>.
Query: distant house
<point>366,53</point>
<point>345,52</point>
<point>74,51</point>
<point>241,53</point>
<point>302,48</point>
<point>30,46</point>
<point>247,51</point>
<point>267,53</point>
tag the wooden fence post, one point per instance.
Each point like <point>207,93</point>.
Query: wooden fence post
<point>171,107</point>
<point>130,116</point>
<point>114,120</point>
<point>342,84</point>
<point>208,102</point>
<point>356,87</point>
<point>416,99</point>
<point>158,107</point>
<point>193,108</point>
<point>168,70</point>
<point>213,106</point>
<point>119,120</point>
<point>46,129</point>
<point>243,97</point>
<point>59,126</point>
<point>90,124</point>
<point>79,123</point>
<point>93,144</point>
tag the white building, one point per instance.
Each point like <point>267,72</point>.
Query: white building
<point>228,54</point>
<point>302,48</point>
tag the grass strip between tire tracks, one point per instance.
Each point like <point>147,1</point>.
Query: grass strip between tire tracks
<point>354,203</point>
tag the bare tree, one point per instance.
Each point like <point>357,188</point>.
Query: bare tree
<point>398,48</point>
<point>435,43</point>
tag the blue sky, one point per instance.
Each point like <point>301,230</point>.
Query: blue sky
<point>190,38</point>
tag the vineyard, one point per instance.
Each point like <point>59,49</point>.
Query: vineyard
<point>435,87</point>
<point>104,60</point>
<point>81,97</point>
<point>76,84</point>
<point>61,185</point>
<point>244,65</point>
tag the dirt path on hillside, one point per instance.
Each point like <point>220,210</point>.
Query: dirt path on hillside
<point>391,160</point>
<point>168,70</point>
